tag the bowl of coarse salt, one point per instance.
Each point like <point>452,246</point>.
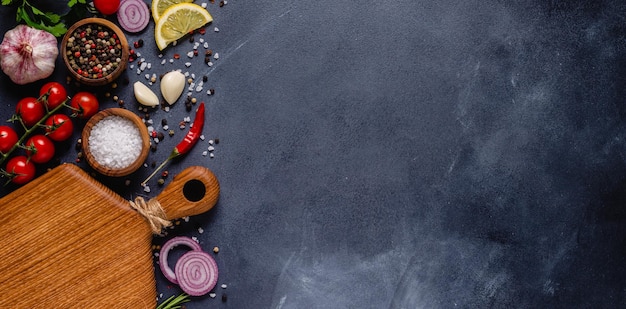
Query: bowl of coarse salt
<point>115,142</point>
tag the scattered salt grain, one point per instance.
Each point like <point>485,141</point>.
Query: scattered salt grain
<point>200,230</point>
<point>203,5</point>
<point>216,29</point>
<point>115,142</point>
<point>211,148</point>
<point>211,155</point>
<point>163,61</point>
<point>209,63</point>
<point>224,286</point>
<point>205,45</point>
<point>143,66</point>
<point>187,64</point>
<point>205,153</point>
<point>201,137</point>
<point>171,60</point>
<point>212,295</point>
<point>216,56</point>
<point>211,142</point>
<point>186,219</point>
<point>146,189</point>
<point>190,54</point>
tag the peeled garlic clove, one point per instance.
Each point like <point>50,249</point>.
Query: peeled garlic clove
<point>144,95</point>
<point>172,86</point>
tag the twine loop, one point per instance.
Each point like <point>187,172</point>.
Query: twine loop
<point>152,211</point>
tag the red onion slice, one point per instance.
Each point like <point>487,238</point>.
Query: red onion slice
<point>133,15</point>
<point>196,272</point>
<point>180,240</point>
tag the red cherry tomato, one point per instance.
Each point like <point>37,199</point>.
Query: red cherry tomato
<point>8,138</point>
<point>39,148</point>
<point>107,7</point>
<point>56,94</point>
<point>59,127</point>
<point>30,110</point>
<point>21,170</point>
<point>85,104</point>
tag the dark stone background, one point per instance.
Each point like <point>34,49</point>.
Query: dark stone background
<point>404,154</point>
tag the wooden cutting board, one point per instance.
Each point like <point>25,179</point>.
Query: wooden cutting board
<point>70,242</point>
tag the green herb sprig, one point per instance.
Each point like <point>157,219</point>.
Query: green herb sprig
<point>174,302</point>
<point>37,18</point>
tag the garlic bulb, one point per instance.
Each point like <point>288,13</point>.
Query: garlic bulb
<point>28,54</point>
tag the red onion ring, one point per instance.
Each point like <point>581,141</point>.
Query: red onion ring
<point>180,240</point>
<point>196,272</point>
<point>133,15</point>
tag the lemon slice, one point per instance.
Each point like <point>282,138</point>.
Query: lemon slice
<point>177,21</point>
<point>159,6</point>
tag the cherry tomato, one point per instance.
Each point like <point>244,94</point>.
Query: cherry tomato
<point>8,138</point>
<point>21,170</point>
<point>59,127</point>
<point>107,7</point>
<point>39,148</point>
<point>30,110</point>
<point>85,104</point>
<point>56,94</point>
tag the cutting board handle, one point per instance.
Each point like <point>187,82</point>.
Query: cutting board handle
<point>193,191</point>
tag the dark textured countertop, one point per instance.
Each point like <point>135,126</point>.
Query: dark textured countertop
<point>403,154</point>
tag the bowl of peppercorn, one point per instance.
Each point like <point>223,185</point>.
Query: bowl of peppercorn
<point>95,51</point>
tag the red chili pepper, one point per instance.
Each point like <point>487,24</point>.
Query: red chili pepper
<point>187,143</point>
<point>194,133</point>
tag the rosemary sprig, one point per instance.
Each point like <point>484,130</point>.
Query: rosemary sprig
<point>174,302</point>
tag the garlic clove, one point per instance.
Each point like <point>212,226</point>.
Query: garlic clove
<point>144,95</point>
<point>172,86</point>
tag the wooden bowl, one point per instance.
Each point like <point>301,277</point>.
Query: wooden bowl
<point>90,81</point>
<point>145,138</point>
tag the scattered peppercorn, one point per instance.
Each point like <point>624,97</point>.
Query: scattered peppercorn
<point>163,122</point>
<point>161,181</point>
<point>165,174</point>
<point>153,147</point>
<point>216,249</point>
<point>205,78</point>
<point>224,297</point>
<point>160,136</point>
<point>120,103</point>
<point>217,140</point>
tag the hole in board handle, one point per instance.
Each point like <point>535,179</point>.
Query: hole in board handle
<point>194,190</point>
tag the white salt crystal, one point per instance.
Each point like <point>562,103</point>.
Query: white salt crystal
<point>216,56</point>
<point>190,54</point>
<point>115,142</point>
<point>203,5</point>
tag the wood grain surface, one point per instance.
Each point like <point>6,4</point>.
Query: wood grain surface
<point>69,241</point>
